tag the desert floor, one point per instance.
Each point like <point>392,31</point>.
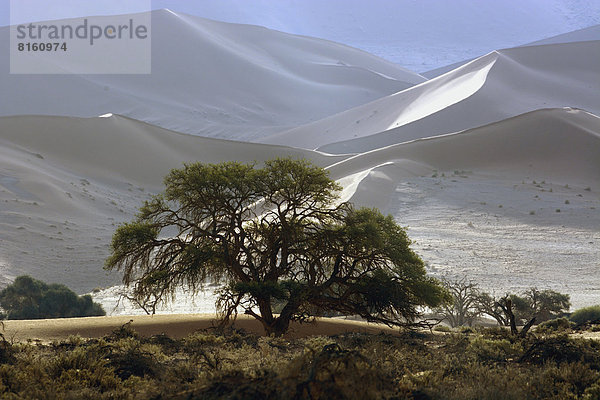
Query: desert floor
<point>173,325</point>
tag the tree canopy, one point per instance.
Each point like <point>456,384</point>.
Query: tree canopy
<point>532,307</point>
<point>28,298</point>
<point>274,234</point>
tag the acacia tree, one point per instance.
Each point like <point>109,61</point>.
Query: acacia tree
<point>276,234</point>
<point>533,307</point>
<point>464,307</point>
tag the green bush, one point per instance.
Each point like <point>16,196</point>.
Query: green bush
<point>555,325</point>
<point>490,350</point>
<point>587,314</point>
<point>28,298</point>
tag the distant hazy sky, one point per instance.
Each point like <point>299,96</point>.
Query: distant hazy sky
<point>418,34</point>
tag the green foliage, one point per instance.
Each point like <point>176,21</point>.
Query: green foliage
<point>544,305</point>
<point>277,238</point>
<point>555,325</point>
<point>533,306</point>
<point>494,350</point>
<point>586,314</point>
<point>28,298</point>
<point>442,328</point>
<point>562,349</point>
<point>128,359</point>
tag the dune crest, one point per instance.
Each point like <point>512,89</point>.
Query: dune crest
<point>215,79</point>
<point>517,81</point>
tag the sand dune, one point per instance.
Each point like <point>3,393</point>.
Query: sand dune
<point>494,166</point>
<point>559,143</point>
<point>119,148</point>
<point>494,87</point>
<point>580,35</point>
<point>66,183</point>
<point>215,79</point>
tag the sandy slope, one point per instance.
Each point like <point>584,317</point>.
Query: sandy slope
<point>491,182</point>
<point>418,35</point>
<point>511,205</point>
<point>173,325</point>
<point>117,147</point>
<point>66,183</point>
<point>215,79</point>
<point>560,143</point>
<point>494,87</point>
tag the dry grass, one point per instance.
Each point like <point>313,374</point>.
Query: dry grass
<point>233,364</point>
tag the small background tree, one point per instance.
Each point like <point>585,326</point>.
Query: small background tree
<point>463,310</point>
<point>276,234</point>
<point>534,306</point>
<point>28,298</point>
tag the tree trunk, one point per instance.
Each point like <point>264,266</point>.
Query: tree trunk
<point>511,318</point>
<point>506,306</point>
<point>266,315</point>
<point>281,326</point>
<point>527,327</point>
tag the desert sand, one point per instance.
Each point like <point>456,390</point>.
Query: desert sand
<point>172,325</point>
<point>215,79</point>
<point>494,87</point>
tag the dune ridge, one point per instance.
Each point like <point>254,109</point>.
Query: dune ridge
<point>507,83</point>
<point>215,79</point>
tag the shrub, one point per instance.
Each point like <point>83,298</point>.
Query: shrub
<point>586,314</point>
<point>489,350</point>
<point>555,325</point>
<point>28,298</point>
<point>562,349</point>
<point>129,359</point>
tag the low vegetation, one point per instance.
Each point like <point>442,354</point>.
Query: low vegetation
<point>472,364</point>
<point>532,307</point>
<point>586,315</point>
<point>28,298</point>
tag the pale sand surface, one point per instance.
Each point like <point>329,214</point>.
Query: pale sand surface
<point>492,88</point>
<point>173,325</point>
<point>240,81</point>
<point>509,204</point>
